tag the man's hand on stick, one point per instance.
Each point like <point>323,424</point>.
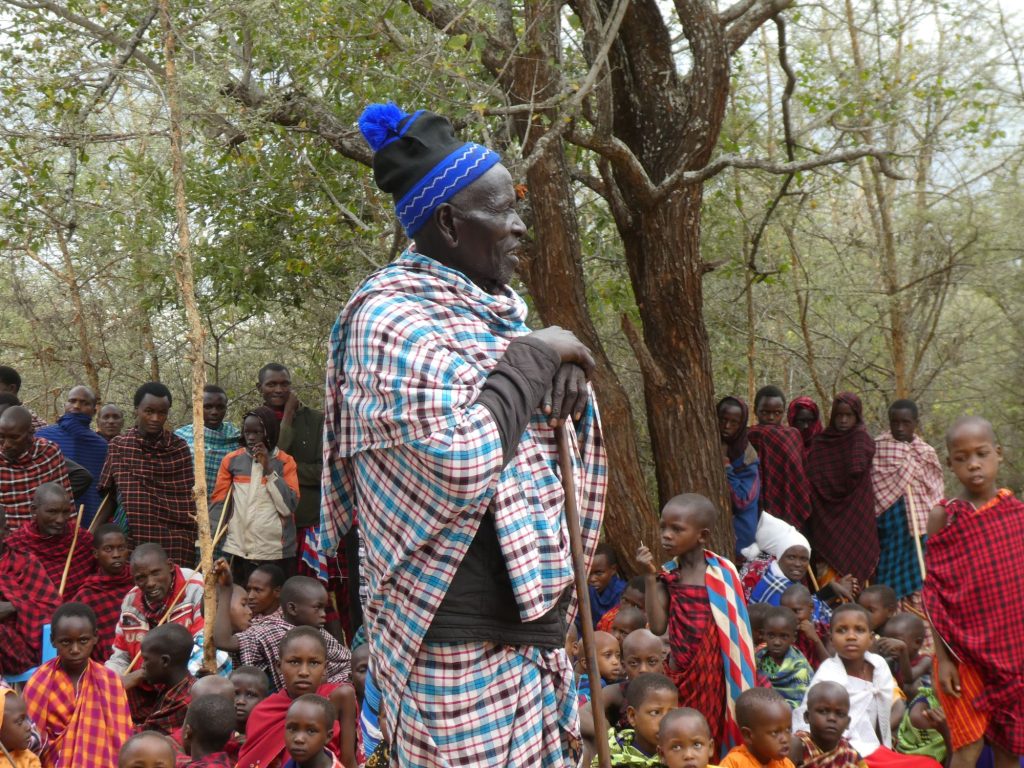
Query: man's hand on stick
<point>568,395</point>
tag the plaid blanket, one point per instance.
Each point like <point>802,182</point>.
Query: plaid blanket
<point>24,584</point>
<point>410,451</point>
<point>52,553</point>
<point>154,482</point>
<point>84,727</point>
<point>897,561</point>
<point>790,678</point>
<point>975,599</point>
<point>218,442</point>
<point>161,709</point>
<point>843,756</point>
<point>104,594</point>
<point>785,491</point>
<point>41,463</point>
<point>842,528</point>
<point>900,467</point>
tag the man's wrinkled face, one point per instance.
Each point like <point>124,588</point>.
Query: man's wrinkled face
<point>52,512</point>
<point>110,422</point>
<point>81,400</point>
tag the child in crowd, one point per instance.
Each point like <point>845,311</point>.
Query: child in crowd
<point>303,603</point>
<point>148,749</point>
<point>16,730</point>
<point>903,638</point>
<point>764,718</point>
<point>161,705</point>
<point>684,739</point>
<point>923,730</point>
<point>209,725</point>
<point>302,665</point>
<point>263,590</point>
<point>307,728</point>
<point>870,685</point>
<point>632,596</point>
<point>649,698</point>
<point>606,585</point>
<point>785,667</point>
<point>251,687</point>
<point>822,745</point>
<point>73,697</point>
<point>609,665</point>
<point>712,656</point>
<point>813,628</point>
<point>757,613</point>
<point>104,590</point>
<point>572,645</point>
<point>360,663</point>
<point>641,653</point>
<point>627,619</point>
<point>975,601</point>
<point>881,603</point>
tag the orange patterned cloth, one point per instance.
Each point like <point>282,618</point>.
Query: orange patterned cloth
<point>84,729</point>
<point>966,722</point>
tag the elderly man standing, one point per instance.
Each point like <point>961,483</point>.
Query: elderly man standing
<point>26,462</point>
<point>79,443</point>
<point>441,409</point>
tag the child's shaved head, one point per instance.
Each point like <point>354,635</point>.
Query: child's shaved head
<point>973,425</point>
<point>700,508</point>
<point>755,702</point>
<point>827,691</point>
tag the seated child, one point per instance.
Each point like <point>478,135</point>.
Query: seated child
<point>360,663</point>
<point>649,698</point>
<point>633,595</point>
<point>307,728</point>
<point>785,667</point>
<point>16,730</point>
<point>302,664</point>
<point>828,717</point>
<point>606,585</point>
<point>881,603</point>
<point>161,705</point>
<point>572,644</point>
<point>609,665</point>
<point>764,718</point>
<point>209,725</point>
<point>904,633</point>
<point>813,629</point>
<point>627,619</point>
<point>923,730</point>
<point>975,601</point>
<point>712,656</point>
<point>251,687</point>
<point>684,739</point>
<point>641,653</point>
<point>303,603</point>
<point>148,749</point>
<point>757,613</point>
<point>240,612</point>
<point>870,684</point>
<point>105,590</point>
<point>74,697</point>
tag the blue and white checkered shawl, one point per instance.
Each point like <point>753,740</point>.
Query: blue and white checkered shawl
<point>409,452</point>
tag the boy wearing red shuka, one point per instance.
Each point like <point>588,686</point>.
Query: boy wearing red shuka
<point>974,596</point>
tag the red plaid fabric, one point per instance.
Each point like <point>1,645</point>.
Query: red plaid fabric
<point>104,594</point>
<point>264,731</point>
<point>899,467</point>
<point>842,528</point>
<point>258,646</point>
<point>154,482</point>
<point>52,553</point>
<point>159,708</point>
<point>24,584</point>
<point>785,492</point>
<point>975,599</point>
<point>41,463</point>
<point>696,653</point>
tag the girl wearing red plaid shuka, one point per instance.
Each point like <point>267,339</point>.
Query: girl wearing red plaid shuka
<point>974,596</point>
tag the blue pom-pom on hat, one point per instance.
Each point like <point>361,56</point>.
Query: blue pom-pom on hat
<point>379,123</point>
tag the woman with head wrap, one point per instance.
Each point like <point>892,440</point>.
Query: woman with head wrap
<point>804,415</point>
<point>261,527</point>
<point>842,526</point>
<point>741,468</point>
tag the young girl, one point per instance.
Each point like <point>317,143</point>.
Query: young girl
<point>870,685</point>
<point>16,730</point>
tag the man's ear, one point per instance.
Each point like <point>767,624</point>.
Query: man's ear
<point>444,218</point>
<point>186,733</point>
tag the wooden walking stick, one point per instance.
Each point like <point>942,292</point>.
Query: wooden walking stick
<point>71,552</point>
<point>99,513</point>
<point>917,532</point>
<point>579,567</point>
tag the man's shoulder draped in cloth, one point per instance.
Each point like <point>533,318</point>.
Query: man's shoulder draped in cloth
<point>408,358</point>
<point>52,553</point>
<point>974,595</point>
<point>24,584</point>
<point>899,467</point>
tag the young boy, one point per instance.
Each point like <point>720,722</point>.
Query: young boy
<point>712,656</point>
<point>828,716</point>
<point>16,730</point>
<point>627,619</point>
<point>633,595</point>
<point>609,665</point>
<point>684,739</point>
<point>148,749</point>
<point>757,613</point>
<point>209,725</point>
<point>904,635</point>
<point>765,719</point>
<point>251,687</point>
<point>641,653</point>
<point>606,585</point>
<point>976,603</point>
<point>881,603</point>
<point>104,590</point>
<point>307,727</point>
<point>303,603</point>
<point>813,627</point>
<point>302,663</point>
<point>161,705</point>
<point>650,697</point>
<point>785,667</point>
<point>73,697</point>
